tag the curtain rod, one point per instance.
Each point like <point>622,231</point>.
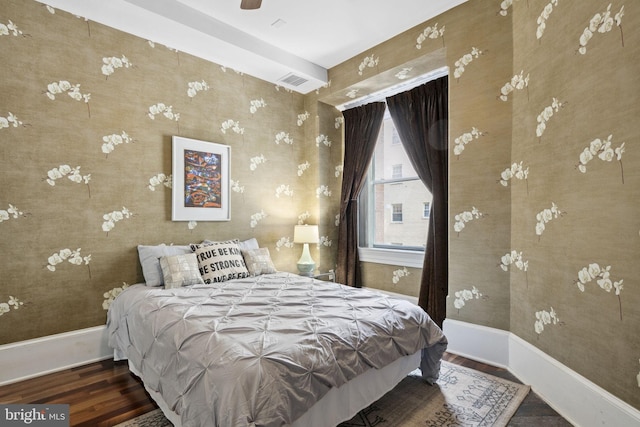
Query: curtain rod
<point>403,86</point>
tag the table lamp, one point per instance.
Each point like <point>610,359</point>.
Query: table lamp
<point>306,234</point>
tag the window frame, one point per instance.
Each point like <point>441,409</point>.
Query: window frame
<point>408,256</point>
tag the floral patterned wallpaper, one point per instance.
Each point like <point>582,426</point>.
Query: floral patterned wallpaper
<point>544,222</point>
<point>88,113</point>
<point>544,184</point>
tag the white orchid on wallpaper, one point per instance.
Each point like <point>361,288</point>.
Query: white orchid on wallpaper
<point>254,162</point>
<point>303,118</point>
<point>111,63</point>
<point>516,171</point>
<point>546,115</point>
<point>542,19</point>
<point>338,170</point>
<point>325,241</point>
<point>430,33</point>
<point>110,142</point>
<point>602,276</point>
<point>160,179</point>
<point>352,93</point>
<point>517,82</point>
<point>465,139</point>
<point>463,217</point>
<point>544,317</point>
<point>192,224</point>
<point>111,295</point>
<point>601,149</point>
<point>303,217</point>
<point>284,137</point>
<point>404,73</point>
<point>465,60</point>
<point>284,242</point>
<point>302,167</point>
<point>194,87</point>
<point>63,86</point>
<point>172,49</point>
<point>73,257</point>
<point>165,110</point>
<point>5,307</point>
<point>284,189</point>
<point>465,295</point>
<point>504,7</point>
<point>337,220</point>
<point>256,218</point>
<point>256,104</point>
<point>9,29</point>
<point>73,174</point>
<point>323,139</point>
<point>286,89</point>
<point>339,122</point>
<point>236,187</point>
<point>601,23</point>
<point>111,218</point>
<point>231,125</point>
<point>10,121</point>
<point>399,274</point>
<point>368,62</point>
<point>514,258</point>
<point>11,212</point>
<point>545,216</point>
<point>323,190</point>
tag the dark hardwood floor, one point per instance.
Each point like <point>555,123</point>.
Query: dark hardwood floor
<point>103,394</point>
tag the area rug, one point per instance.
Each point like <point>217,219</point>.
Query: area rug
<point>462,397</point>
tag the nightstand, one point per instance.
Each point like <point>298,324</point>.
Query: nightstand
<point>329,276</point>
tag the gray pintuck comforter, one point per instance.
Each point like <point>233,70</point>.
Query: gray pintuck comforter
<point>261,351</point>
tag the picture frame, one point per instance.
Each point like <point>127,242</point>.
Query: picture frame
<point>200,180</point>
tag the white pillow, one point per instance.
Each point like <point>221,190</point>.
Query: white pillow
<point>180,270</point>
<point>220,261</point>
<point>150,261</point>
<point>248,244</point>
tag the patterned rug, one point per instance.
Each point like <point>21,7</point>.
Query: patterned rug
<point>462,397</point>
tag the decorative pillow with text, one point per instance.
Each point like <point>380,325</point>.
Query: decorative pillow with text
<point>220,261</point>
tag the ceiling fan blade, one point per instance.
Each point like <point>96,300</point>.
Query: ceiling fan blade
<point>250,4</point>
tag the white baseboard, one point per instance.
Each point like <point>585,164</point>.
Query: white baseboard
<point>41,356</point>
<point>577,399</point>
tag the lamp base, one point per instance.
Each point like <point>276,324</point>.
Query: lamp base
<point>306,264</point>
<point>306,269</point>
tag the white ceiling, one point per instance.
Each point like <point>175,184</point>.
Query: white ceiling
<point>314,35</point>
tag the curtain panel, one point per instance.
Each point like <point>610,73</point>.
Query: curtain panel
<point>361,128</point>
<point>421,116</point>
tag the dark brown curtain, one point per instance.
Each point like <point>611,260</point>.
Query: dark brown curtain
<point>361,128</point>
<point>421,117</point>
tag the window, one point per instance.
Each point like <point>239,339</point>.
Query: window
<point>426,210</point>
<point>396,171</point>
<point>393,202</point>
<point>395,137</point>
<point>396,212</point>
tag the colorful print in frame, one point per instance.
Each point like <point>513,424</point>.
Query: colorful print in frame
<point>200,173</point>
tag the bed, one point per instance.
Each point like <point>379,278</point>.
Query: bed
<point>270,350</point>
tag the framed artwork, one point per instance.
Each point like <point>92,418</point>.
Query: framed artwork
<point>200,180</point>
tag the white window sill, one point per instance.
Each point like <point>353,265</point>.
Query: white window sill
<point>392,257</point>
